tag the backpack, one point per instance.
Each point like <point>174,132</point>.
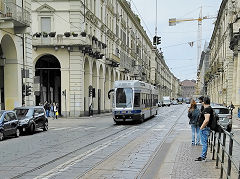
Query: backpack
<point>214,126</point>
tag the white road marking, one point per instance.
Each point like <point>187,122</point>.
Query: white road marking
<point>63,128</point>
<point>63,167</point>
<point>235,126</point>
<point>76,128</point>
<point>89,128</point>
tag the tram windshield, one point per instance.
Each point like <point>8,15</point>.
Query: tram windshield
<point>124,97</point>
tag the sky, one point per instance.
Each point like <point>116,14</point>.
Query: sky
<point>180,57</point>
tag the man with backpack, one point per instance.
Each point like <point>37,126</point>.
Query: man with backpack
<point>205,120</point>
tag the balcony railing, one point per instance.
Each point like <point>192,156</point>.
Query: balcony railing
<point>58,41</point>
<point>11,11</point>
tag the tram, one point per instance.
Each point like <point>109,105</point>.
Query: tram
<point>134,100</point>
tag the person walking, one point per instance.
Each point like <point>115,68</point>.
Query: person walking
<point>204,123</point>
<point>193,114</point>
<point>46,108</point>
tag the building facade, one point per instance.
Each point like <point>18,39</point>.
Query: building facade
<point>15,52</point>
<point>188,88</point>
<point>222,80</point>
<point>81,47</point>
<point>202,69</point>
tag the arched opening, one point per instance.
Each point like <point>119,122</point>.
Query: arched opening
<point>101,91</point>
<point>86,86</point>
<point>48,78</point>
<point>94,84</point>
<point>10,75</point>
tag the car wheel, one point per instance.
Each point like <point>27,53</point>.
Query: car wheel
<point>45,128</point>
<point>1,136</point>
<point>32,129</point>
<point>17,134</point>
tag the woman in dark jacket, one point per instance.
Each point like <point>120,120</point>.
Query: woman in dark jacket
<point>193,114</point>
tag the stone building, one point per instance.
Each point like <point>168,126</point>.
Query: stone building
<point>81,47</point>
<point>188,88</point>
<point>221,78</point>
<point>15,52</point>
<point>202,69</point>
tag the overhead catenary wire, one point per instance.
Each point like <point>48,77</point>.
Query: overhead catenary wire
<point>131,1</point>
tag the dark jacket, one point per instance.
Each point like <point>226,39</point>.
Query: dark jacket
<point>194,116</point>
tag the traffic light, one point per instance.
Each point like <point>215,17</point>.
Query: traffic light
<point>28,90</point>
<point>90,90</point>
<point>155,40</point>
<point>93,93</point>
<point>158,40</point>
<point>23,90</point>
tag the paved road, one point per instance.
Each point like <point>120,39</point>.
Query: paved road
<point>94,148</point>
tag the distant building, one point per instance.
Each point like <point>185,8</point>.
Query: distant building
<point>188,88</point>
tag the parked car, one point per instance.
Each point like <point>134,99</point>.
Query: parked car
<point>9,124</point>
<point>31,118</point>
<point>225,117</point>
<point>166,101</point>
<point>180,100</point>
<point>187,100</point>
<point>174,102</point>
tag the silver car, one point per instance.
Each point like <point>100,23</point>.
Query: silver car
<point>225,117</point>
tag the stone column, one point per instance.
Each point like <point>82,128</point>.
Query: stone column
<point>237,104</point>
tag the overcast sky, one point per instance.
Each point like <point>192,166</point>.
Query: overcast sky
<point>181,59</point>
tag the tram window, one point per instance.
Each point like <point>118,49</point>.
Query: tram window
<point>137,100</point>
<point>124,97</point>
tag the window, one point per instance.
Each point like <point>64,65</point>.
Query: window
<point>137,100</point>
<point>46,24</point>
<point>124,97</point>
<point>12,116</point>
<point>7,118</point>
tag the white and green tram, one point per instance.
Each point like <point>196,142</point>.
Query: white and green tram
<point>134,100</point>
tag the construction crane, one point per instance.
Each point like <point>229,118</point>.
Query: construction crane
<point>174,21</point>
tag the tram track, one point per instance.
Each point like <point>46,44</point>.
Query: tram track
<point>82,156</point>
<point>119,149</point>
<point>69,153</point>
<point>142,172</point>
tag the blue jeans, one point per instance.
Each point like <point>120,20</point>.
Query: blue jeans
<point>204,133</point>
<point>195,130</point>
<point>47,113</point>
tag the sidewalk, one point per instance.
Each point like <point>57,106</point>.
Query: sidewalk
<point>179,163</point>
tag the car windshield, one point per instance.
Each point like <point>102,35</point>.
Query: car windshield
<point>24,112</point>
<point>221,110</point>
<point>124,97</point>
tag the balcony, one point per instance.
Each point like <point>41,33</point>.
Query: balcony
<point>16,15</point>
<point>60,40</point>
